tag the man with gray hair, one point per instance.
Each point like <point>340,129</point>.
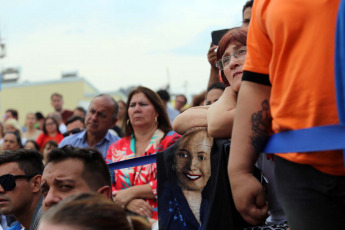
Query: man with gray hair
<point>100,117</point>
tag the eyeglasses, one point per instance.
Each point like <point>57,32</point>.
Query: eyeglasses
<point>8,181</point>
<point>225,61</point>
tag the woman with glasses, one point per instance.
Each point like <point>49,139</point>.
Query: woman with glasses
<point>50,133</point>
<point>218,117</point>
<point>147,130</point>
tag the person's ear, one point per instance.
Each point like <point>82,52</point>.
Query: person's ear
<point>36,183</point>
<point>105,191</point>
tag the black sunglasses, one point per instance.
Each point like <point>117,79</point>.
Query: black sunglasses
<point>8,181</point>
<point>73,131</point>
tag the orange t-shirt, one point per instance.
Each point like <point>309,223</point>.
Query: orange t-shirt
<point>293,42</point>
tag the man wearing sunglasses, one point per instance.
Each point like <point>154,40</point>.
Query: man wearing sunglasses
<point>75,124</point>
<point>20,180</point>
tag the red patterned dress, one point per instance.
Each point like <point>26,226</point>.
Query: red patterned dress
<point>125,149</point>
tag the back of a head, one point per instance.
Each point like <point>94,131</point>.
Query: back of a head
<point>91,211</point>
<point>29,160</point>
<point>164,95</point>
<point>96,172</point>
<point>56,115</point>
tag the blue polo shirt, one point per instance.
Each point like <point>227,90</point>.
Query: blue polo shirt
<point>79,140</point>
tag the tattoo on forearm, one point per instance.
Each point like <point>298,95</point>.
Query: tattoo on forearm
<point>261,126</point>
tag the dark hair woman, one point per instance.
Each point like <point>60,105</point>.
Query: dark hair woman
<point>147,130</point>
<point>50,133</point>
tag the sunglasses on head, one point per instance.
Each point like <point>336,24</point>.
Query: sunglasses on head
<point>8,181</point>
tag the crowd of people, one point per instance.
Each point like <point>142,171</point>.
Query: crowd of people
<point>272,74</point>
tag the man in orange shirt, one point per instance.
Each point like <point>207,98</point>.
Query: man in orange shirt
<point>288,84</point>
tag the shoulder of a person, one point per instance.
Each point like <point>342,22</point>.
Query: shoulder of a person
<point>171,135</point>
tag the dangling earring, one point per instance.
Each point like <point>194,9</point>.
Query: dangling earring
<point>127,122</point>
<point>156,119</point>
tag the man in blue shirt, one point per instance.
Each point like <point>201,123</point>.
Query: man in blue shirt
<point>101,116</point>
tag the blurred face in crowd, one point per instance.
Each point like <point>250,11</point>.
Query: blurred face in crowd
<point>57,102</point>
<point>75,125</point>
<point>247,14</point>
<point>141,111</point>
<point>193,163</point>
<point>30,120</point>
<point>213,95</point>
<point>99,116</point>
<point>10,142</point>
<point>179,102</point>
<point>233,69</point>
<point>62,179</point>
<point>51,126</point>
<point>16,200</point>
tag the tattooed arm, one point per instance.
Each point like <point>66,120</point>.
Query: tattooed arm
<point>250,133</point>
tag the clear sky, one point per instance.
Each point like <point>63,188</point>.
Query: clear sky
<point>115,43</point>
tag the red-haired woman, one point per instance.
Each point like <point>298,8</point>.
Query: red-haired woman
<point>218,117</point>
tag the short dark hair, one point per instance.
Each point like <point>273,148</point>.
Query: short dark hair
<point>39,116</point>
<point>216,85</point>
<point>17,134</point>
<point>74,118</point>
<point>164,94</point>
<point>13,112</point>
<point>95,172</point>
<point>55,122</point>
<point>163,119</point>
<point>247,4</point>
<point>29,160</point>
<point>55,95</point>
<point>116,106</point>
<point>34,143</point>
